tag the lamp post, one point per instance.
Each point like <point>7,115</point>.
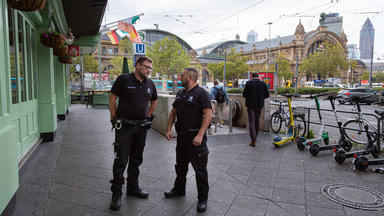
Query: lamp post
<point>269,43</point>
<point>225,62</point>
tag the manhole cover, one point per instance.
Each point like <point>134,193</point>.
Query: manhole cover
<point>354,196</point>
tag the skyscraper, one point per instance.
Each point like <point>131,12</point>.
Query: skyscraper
<point>334,23</point>
<point>252,36</point>
<point>367,38</point>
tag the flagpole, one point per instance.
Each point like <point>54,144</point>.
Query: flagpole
<point>123,19</point>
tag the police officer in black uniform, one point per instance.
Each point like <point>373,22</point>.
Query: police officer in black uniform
<point>192,108</point>
<point>131,120</point>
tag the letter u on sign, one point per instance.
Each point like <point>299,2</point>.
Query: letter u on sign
<point>139,48</point>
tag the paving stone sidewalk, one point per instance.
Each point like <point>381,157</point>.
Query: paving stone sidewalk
<point>71,175</point>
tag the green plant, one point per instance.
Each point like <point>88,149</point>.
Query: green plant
<point>310,134</point>
<point>234,90</point>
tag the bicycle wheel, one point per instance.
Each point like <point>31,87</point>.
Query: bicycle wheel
<point>300,125</point>
<point>354,131</point>
<point>276,121</point>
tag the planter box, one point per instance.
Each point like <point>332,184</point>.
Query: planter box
<point>100,100</point>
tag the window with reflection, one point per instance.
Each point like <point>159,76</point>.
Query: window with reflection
<point>12,56</point>
<point>20,24</point>
<point>29,61</point>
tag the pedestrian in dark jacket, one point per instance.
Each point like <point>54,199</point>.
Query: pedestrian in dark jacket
<point>255,91</point>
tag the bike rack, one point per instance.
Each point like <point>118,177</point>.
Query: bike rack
<point>335,126</point>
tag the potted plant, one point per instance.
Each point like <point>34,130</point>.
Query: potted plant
<point>52,39</point>
<point>27,5</point>
<point>65,59</point>
<point>60,51</point>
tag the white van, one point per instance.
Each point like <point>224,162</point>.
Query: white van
<point>309,84</point>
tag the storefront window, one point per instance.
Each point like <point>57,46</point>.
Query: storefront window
<point>34,65</point>
<point>12,56</point>
<point>20,23</point>
<point>103,50</point>
<point>29,61</point>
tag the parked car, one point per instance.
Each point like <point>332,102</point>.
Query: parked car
<point>346,95</point>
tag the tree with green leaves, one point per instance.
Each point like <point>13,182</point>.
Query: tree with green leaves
<point>236,66</point>
<point>125,46</point>
<point>283,67</point>
<point>168,56</point>
<point>90,65</point>
<point>365,75</point>
<point>380,77</point>
<point>117,63</point>
<point>328,61</point>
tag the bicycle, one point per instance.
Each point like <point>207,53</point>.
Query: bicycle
<point>354,129</point>
<point>280,116</point>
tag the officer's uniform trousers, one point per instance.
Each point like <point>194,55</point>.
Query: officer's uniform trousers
<point>198,156</point>
<point>129,145</point>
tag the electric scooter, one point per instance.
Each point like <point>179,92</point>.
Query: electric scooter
<point>323,134</point>
<point>370,148</point>
<point>343,142</point>
<point>361,162</point>
<point>291,135</point>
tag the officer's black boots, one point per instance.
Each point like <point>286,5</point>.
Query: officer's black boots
<point>115,203</point>
<point>137,193</point>
<point>173,193</point>
<point>201,206</point>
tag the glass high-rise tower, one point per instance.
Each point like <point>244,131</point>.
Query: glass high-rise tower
<point>367,38</point>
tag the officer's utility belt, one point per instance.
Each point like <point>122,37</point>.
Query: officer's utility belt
<point>187,131</point>
<point>128,122</point>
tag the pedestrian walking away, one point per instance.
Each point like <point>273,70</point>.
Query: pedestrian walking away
<point>255,91</point>
<point>193,111</point>
<point>219,94</point>
<point>133,117</point>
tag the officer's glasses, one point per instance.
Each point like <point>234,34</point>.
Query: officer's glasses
<point>148,67</point>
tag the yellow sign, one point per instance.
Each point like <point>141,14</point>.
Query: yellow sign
<point>266,67</point>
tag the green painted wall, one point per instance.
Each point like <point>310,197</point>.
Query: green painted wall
<point>61,97</point>
<point>46,88</point>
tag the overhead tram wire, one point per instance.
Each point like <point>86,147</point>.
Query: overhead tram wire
<point>232,15</point>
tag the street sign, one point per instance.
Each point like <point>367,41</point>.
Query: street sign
<point>141,35</point>
<point>139,49</point>
<point>73,50</point>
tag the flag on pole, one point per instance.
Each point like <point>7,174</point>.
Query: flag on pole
<point>121,34</point>
<point>113,37</point>
<point>126,26</point>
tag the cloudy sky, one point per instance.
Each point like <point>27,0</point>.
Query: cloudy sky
<point>202,22</point>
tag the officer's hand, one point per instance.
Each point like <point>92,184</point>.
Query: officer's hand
<point>113,122</point>
<point>169,135</point>
<point>197,140</point>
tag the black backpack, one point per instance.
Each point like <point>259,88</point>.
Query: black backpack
<point>220,95</point>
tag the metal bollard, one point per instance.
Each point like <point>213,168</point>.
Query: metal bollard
<point>215,112</point>
<point>230,116</point>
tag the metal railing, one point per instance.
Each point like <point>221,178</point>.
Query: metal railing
<point>214,109</point>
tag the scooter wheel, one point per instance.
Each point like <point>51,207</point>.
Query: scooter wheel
<point>300,143</point>
<point>277,146</point>
<point>314,149</point>
<point>347,145</point>
<point>339,156</point>
<point>361,163</point>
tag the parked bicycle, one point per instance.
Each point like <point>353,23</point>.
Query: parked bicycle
<point>280,120</point>
<point>354,129</point>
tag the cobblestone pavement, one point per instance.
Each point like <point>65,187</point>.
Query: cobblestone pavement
<point>71,175</point>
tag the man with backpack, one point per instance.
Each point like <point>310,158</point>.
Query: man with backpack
<point>219,94</point>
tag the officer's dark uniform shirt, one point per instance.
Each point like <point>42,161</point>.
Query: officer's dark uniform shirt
<point>134,96</point>
<point>189,106</point>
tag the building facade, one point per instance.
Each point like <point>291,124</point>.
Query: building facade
<point>34,91</point>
